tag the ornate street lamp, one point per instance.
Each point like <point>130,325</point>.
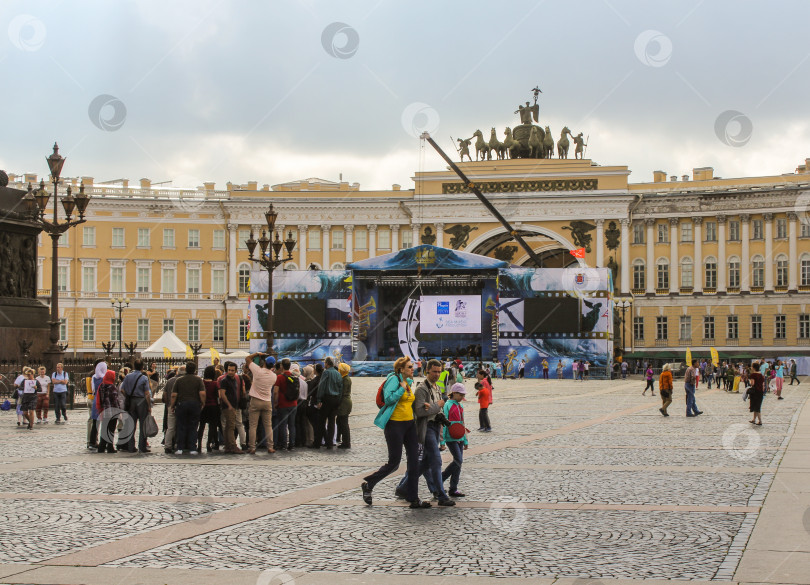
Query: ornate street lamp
<point>36,204</point>
<point>623,304</point>
<point>270,261</point>
<point>119,304</point>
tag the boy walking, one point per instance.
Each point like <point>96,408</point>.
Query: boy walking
<point>484,394</point>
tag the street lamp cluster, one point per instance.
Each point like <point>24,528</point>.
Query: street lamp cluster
<point>119,304</point>
<point>270,261</point>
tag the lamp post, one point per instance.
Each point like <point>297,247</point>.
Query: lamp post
<point>36,204</point>
<point>118,304</point>
<point>270,261</point>
<point>623,304</point>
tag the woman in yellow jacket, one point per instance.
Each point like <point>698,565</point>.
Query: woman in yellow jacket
<point>665,389</point>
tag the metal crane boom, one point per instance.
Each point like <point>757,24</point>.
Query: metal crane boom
<point>491,208</point>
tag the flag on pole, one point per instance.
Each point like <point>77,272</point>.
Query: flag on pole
<point>688,357</point>
<point>214,353</point>
<point>167,352</point>
<point>189,353</point>
<point>578,253</point>
<point>715,357</point>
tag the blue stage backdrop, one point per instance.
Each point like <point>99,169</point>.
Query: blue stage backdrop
<point>519,313</point>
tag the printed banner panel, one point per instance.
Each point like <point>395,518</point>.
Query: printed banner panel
<point>450,314</point>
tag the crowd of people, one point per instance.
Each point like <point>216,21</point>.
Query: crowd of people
<point>32,391</point>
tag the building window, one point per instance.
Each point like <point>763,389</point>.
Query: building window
<point>194,238</point>
<point>805,271</point>
<point>244,279</point>
<point>711,231</point>
<point>734,231</point>
<point>337,239</point>
<point>242,237</point>
<point>244,327</point>
<point>115,330</point>
<point>686,327</point>
<point>143,237</point>
<point>219,330</point>
<point>407,239</point>
<point>63,329</point>
<point>384,239</point>
<point>756,326</point>
<point>781,228</point>
<point>219,239</point>
<point>168,280</point>
<point>142,280</point>
<point>360,239</point>
<point>781,271</point>
<point>168,325</point>
<point>686,231</point>
<point>118,240</point>
<point>168,237</point>
<point>663,233</point>
<point>758,271</point>
<point>638,328</point>
<point>89,278</point>
<point>193,277</point>
<point>143,330</point>
<point>757,224</point>
<point>64,242</point>
<point>62,278</point>
<point>218,281</point>
<point>734,273</point>
<point>732,327</point>
<point>89,330</point>
<point>117,279</point>
<point>804,326</point>
<point>708,327</point>
<point>639,280</point>
<point>662,273</point>
<point>805,229</point>
<point>661,328</point>
<point>638,233</point>
<point>314,241</point>
<point>687,273</point>
<point>780,327</point>
<point>193,329</point>
<point>88,236</point>
<point>711,273</point>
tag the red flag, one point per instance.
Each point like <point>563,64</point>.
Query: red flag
<point>578,253</point>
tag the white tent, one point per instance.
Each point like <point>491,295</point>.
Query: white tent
<point>168,340</point>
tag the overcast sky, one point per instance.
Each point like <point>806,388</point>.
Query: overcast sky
<point>239,90</point>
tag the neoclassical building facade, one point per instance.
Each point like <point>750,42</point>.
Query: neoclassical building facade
<point>700,261</point>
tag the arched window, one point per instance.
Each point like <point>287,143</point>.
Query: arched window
<point>244,278</point>
<point>290,266</point>
<point>758,271</point>
<point>734,272</point>
<point>710,272</point>
<point>338,266</point>
<point>662,273</point>
<point>639,280</point>
<point>687,272</point>
<point>781,270</point>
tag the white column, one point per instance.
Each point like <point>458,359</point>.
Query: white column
<point>372,241</point>
<point>697,267</point>
<point>793,260</point>
<point>600,243</point>
<point>745,261</point>
<point>349,243</point>
<point>415,228</point>
<point>625,266</point>
<point>722,269</point>
<point>325,244</point>
<point>768,217</point>
<point>674,283</point>
<point>394,238</point>
<point>650,255</point>
<point>440,235</point>
<point>302,247</point>
<point>232,245</point>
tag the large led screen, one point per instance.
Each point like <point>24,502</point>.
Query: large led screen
<point>450,314</point>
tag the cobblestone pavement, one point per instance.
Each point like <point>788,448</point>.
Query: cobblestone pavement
<point>577,480</point>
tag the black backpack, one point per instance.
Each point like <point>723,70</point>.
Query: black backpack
<point>291,389</point>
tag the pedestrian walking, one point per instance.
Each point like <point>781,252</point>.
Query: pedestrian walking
<point>230,392</point>
<point>559,369</point>
<point>330,388</point>
<point>170,418</point>
<point>755,394</point>
<point>650,381</point>
<point>793,370</point>
<point>345,408</point>
<point>210,415</point>
<point>689,386</point>
<point>624,370</point>
<point>109,413</point>
<point>43,400</point>
<point>779,378</point>
<point>59,382</point>
<point>453,438</point>
<point>18,394</point>
<point>260,408</point>
<point>665,389</point>
<point>545,369</point>
<point>285,399</point>
<point>30,389</point>
<point>135,388</point>
<point>484,394</point>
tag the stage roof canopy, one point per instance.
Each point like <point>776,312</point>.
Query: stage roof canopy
<point>428,257</point>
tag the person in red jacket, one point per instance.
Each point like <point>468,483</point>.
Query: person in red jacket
<point>484,394</point>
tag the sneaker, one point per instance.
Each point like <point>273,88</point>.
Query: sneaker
<point>447,502</point>
<point>193,452</point>
<point>39,422</point>
<point>420,505</point>
<point>698,412</point>
<point>19,423</point>
<point>487,430</point>
<point>178,452</point>
<point>661,410</point>
<point>456,494</point>
<point>780,398</point>
<point>690,415</point>
<point>366,492</point>
<point>45,421</point>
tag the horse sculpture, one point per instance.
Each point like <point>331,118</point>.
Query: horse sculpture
<point>509,143</point>
<point>481,147</point>
<point>548,144</point>
<point>563,144</point>
<point>535,144</point>
<point>496,145</point>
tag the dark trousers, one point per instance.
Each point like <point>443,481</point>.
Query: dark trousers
<point>650,386</point>
<point>138,410</point>
<point>453,470</point>
<point>398,433</point>
<point>188,419</point>
<point>210,416</point>
<point>106,438</point>
<point>483,418</point>
<point>326,418</point>
<point>545,373</point>
<point>285,426</point>
<point>792,377</point>
<point>59,404</point>
<point>343,431</point>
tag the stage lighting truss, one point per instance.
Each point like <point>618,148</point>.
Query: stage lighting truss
<point>433,280</point>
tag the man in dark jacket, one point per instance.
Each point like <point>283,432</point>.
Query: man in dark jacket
<point>330,388</point>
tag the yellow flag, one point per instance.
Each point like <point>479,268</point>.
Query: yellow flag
<point>715,357</point>
<point>189,353</point>
<point>214,353</point>
<point>688,357</point>
<point>167,352</point>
